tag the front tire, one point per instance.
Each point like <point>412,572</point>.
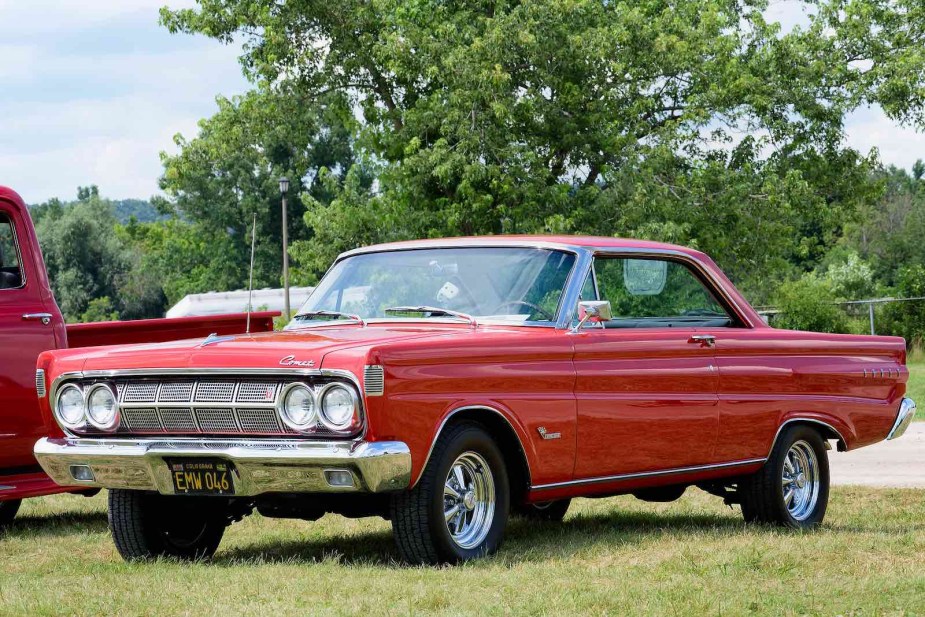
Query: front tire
<point>8,510</point>
<point>146,526</point>
<point>792,489</point>
<point>459,508</point>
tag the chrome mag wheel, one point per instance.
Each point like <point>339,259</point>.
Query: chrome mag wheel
<point>469,500</point>
<point>800,480</point>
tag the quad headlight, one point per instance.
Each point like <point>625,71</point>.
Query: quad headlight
<point>102,407</point>
<point>71,407</point>
<point>298,408</point>
<point>333,408</point>
<point>97,406</point>
<point>339,408</point>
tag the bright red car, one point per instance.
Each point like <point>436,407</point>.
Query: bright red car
<point>445,383</point>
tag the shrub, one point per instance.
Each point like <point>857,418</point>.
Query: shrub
<point>806,304</point>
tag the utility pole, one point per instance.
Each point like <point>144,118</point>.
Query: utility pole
<point>283,190</point>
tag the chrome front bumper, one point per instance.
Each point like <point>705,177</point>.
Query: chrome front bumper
<point>903,418</point>
<point>279,466</point>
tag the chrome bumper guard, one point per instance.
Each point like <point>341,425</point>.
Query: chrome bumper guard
<point>903,418</point>
<point>278,466</point>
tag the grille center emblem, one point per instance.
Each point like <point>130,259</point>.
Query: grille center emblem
<point>291,361</point>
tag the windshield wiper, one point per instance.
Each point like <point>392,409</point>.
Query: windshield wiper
<point>334,315</point>
<point>433,310</point>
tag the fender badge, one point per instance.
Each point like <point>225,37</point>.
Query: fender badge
<point>291,361</point>
<point>542,431</point>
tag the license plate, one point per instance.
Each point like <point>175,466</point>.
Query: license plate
<point>201,477</point>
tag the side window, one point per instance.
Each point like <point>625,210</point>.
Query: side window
<point>10,268</point>
<point>650,293</point>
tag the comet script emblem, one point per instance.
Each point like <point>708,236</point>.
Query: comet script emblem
<point>291,361</point>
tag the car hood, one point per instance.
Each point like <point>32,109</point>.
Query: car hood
<point>305,348</point>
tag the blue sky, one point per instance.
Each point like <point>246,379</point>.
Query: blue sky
<point>94,90</point>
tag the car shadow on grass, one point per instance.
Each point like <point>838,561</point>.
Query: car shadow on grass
<point>525,541</point>
<point>55,525</point>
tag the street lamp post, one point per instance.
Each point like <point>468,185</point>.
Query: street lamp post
<point>283,190</point>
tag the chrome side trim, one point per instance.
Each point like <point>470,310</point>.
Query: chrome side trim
<point>841,438</point>
<point>903,418</point>
<point>284,465</point>
<point>449,416</point>
<point>646,474</point>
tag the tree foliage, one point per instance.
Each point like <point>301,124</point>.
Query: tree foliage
<point>231,171</point>
<point>96,272</point>
<point>591,116</point>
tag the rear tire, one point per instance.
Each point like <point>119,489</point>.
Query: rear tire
<point>146,526</point>
<point>8,510</point>
<point>792,489</point>
<point>458,509</point>
<point>543,511</point>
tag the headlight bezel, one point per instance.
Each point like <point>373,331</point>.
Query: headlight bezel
<point>59,416</point>
<point>113,423</point>
<point>288,389</point>
<point>355,421</point>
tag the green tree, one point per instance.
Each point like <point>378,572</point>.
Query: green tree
<point>231,171</point>
<point>85,259</point>
<point>889,231</point>
<point>96,269</point>
<point>591,116</point>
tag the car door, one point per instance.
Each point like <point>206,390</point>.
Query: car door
<point>647,380</point>
<point>26,329</point>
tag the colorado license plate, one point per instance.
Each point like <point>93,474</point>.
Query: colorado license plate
<point>201,477</point>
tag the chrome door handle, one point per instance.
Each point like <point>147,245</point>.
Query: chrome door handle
<point>45,318</point>
<point>705,340</point>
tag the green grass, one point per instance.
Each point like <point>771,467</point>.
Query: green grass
<point>610,556</point>
<point>915,388</point>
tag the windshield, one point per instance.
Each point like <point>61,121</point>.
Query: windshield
<point>487,283</point>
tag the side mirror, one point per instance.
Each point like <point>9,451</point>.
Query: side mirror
<point>593,311</point>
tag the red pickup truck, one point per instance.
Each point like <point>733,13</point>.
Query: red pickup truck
<point>31,323</point>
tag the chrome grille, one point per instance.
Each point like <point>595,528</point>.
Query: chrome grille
<point>257,392</point>
<point>258,420</point>
<point>143,392</point>
<point>140,419</point>
<point>175,392</point>
<point>215,392</point>
<point>177,420</point>
<point>206,405</point>
<point>217,420</point>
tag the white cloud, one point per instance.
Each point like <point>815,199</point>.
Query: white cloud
<point>95,90</point>
<point>868,129</point>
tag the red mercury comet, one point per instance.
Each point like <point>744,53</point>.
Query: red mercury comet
<point>444,384</point>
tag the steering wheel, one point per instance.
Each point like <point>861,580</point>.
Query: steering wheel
<point>529,305</point>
